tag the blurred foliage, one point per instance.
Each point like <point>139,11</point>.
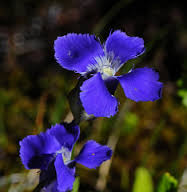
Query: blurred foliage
<point>183,94</point>
<point>76,185</point>
<point>143,181</point>
<point>130,123</point>
<point>183,182</point>
<point>167,184</point>
<point>34,88</point>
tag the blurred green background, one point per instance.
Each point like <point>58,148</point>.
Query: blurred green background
<point>148,138</point>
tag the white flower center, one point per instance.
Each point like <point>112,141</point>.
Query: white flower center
<point>108,71</point>
<point>104,66</point>
<point>66,154</point>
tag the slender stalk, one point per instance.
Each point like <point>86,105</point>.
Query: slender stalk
<point>112,142</point>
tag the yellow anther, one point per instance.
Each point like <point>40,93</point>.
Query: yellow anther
<point>108,71</point>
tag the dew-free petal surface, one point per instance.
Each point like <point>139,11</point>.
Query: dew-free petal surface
<point>65,176</point>
<point>141,84</point>
<point>123,46</point>
<point>66,134</point>
<point>96,98</point>
<point>76,51</point>
<point>38,150</point>
<point>93,154</point>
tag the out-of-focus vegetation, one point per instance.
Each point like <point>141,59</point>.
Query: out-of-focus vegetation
<point>142,176</point>
<point>34,89</point>
<point>167,183</point>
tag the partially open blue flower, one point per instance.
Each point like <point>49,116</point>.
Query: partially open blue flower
<point>84,54</point>
<point>53,149</point>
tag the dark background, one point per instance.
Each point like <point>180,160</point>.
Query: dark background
<point>34,88</point>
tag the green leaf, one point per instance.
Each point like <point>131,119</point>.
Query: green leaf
<point>167,184</point>
<point>127,67</point>
<point>143,181</point>
<point>76,185</point>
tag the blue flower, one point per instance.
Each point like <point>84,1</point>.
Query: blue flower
<point>51,152</point>
<point>84,54</point>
